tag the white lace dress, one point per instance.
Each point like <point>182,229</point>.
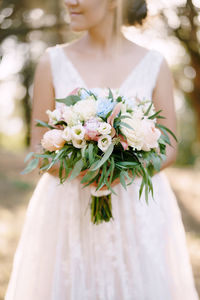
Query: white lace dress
<point>141,255</point>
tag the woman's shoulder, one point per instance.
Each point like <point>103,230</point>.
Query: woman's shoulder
<point>134,48</point>
<point>56,47</point>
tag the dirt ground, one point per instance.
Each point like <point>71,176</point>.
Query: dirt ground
<point>17,189</point>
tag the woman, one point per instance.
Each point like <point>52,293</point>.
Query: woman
<point>142,255</point>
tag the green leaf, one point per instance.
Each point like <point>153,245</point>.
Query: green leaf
<point>77,169</point>
<point>141,188</point>
<point>125,117</point>
<point>160,117</point>
<point>156,162</point>
<point>43,124</point>
<point>89,175</point>
<point>28,156</point>
<point>90,152</point>
<point>122,179</point>
<point>31,166</point>
<point>69,100</point>
<point>112,170</point>
<point>123,124</point>
<point>102,178</point>
<point>154,115</point>
<point>119,99</point>
<point>146,193</point>
<point>54,160</point>
<point>61,170</point>
<point>110,94</point>
<point>105,157</point>
<point>43,155</point>
<point>67,169</point>
<point>168,130</point>
<point>148,110</point>
<point>127,164</point>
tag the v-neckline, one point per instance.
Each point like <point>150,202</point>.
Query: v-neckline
<point>83,83</point>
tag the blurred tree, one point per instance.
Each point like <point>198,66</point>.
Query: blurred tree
<point>187,30</point>
<point>26,21</point>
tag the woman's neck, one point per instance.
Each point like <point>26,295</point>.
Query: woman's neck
<point>103,39</point>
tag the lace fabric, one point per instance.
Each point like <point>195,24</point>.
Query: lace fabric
<point>141,255</point>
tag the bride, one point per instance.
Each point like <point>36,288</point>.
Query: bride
<point>142,254</point>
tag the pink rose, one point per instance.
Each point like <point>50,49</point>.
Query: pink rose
<point>91,129</point>
<point>52,140</point>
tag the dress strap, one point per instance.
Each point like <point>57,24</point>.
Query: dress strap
<point>55,64</point>
<point>153,64</point>
<point>64,77</point>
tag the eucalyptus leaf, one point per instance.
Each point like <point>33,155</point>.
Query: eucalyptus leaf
<point>43,124</point>
<point>28,156</point>
<point>31,166</point>
<point>148,110</point>
<point>77,169</point>
<point>168,130</point>
<point>105,157</point>
<point>90,152</point>
<point>69,100</point>
<point>123,124</point>
<point>89,175</point>
<point>122,179</point>
<point>155,115</point>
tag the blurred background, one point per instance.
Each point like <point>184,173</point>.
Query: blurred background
<point>27,29</point>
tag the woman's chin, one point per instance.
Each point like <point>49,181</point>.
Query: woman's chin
<point>77,27</point>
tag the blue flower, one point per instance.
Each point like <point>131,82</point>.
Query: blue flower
<point>104,106</point>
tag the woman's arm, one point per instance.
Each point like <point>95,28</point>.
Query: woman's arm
<point>43,99</point>
<point>163,99</point>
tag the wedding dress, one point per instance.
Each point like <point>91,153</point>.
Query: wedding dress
<point>141,255</point>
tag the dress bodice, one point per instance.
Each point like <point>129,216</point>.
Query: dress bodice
<point>140,82</point>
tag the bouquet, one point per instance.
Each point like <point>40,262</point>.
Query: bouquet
<point>107,135</point>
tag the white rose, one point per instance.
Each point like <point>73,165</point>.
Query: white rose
<point>78,132</point>
<point>78,143</point>
<point>104,142</point>
<point>54,116</point>
<point>67,134</point>
<point>86,109</point>
<point>104,128</point>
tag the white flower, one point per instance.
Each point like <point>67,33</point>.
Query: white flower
<point>54,116</point>
<point>150,135</point>
<point>52,140</point>
<point>85,109</point>
<point>78,132</point>
<point>134,135</point>
<point>143,136</point>
<point>67,134</point>
<point>69,116</point>
<point>104,142</point>
<point>78,143</point>
<point>104,128</point>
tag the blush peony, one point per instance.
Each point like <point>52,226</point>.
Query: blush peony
<point>53,140</point>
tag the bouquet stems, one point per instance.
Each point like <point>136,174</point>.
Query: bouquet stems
<point>101,209</point>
